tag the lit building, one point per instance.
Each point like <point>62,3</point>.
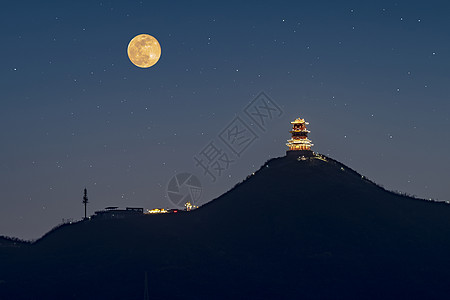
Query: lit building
<point>299,140</point>
<point>156,211</point>
<point>188,206</point>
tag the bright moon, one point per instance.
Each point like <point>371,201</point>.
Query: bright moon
<point>144,51</point>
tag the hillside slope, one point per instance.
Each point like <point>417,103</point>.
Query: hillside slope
<point>311,229</point>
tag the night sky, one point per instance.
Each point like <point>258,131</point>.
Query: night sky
<point>371,77</point>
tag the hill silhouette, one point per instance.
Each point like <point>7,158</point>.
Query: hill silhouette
<point>296,229</point>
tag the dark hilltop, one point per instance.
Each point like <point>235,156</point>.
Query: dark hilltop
<point>298,228</point>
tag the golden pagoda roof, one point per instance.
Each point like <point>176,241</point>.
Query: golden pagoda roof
<point>300,121</point>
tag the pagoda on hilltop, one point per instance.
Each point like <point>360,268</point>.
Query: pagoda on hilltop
<point>299,142</point>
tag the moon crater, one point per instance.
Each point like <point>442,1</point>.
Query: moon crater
<point>144,50</point>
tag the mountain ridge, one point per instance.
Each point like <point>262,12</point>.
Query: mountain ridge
<point>295,226</point>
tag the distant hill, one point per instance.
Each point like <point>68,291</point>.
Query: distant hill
<point>296,229</point>
<point>11,242</point>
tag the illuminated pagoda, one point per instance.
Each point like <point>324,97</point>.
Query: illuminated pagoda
<point>299,142</point>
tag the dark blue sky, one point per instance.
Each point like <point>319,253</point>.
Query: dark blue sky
<point>371,77</point>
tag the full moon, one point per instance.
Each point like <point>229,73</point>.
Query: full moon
<point>144,51</point>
